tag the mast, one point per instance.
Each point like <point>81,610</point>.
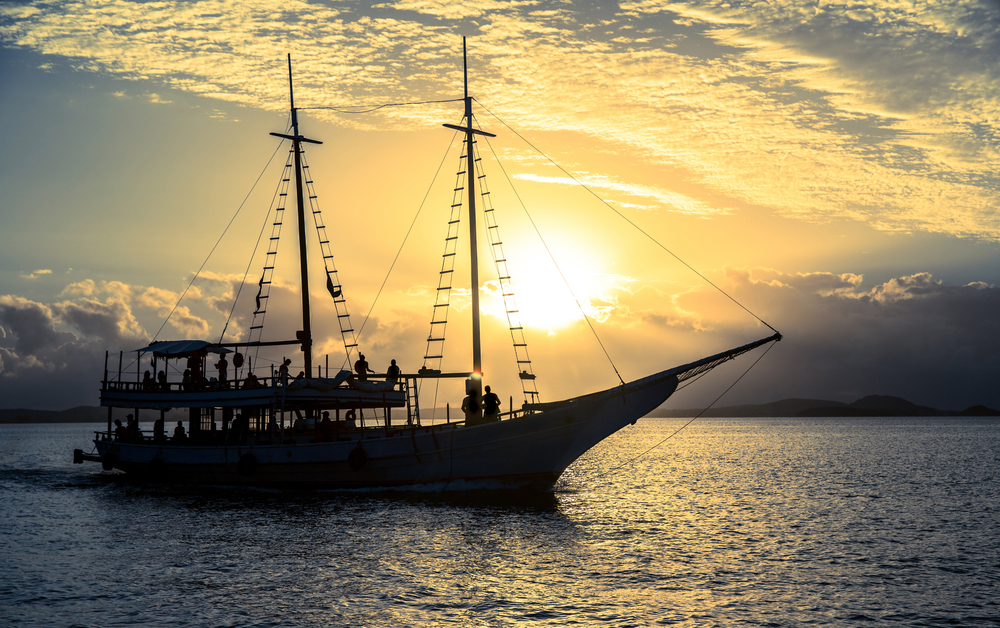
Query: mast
<point>304,336</point>
<point>470,169</point>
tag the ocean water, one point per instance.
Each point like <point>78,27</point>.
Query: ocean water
<point>732,522</point>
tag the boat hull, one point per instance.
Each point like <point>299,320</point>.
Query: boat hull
<point>533,449</point>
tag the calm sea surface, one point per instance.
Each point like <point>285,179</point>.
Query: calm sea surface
<point>753,522</point>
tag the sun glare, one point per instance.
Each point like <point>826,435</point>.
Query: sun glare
<point>542,299</point>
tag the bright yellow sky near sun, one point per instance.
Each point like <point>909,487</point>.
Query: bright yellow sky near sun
<point>803,158</point>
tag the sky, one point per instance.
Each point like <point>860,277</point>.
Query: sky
<point>826,167</point>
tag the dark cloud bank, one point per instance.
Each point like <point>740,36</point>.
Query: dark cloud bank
<point>927,341</point>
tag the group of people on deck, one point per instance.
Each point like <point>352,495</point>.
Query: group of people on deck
<point>362,370</point>
<point>130,432</point>
<point>490,406</point>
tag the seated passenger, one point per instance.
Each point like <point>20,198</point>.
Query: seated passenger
<point>119,430</point>
<point>179,435</point>
<point>324,431</point>
<point>132,432</point>
<point>161,381</point>
<point>186,381</point>
<point>147,381</point>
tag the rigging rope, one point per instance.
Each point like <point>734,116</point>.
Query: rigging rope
<point>371,108</point>
<point>678,430</point>
<point>623,217</point>
<point>403,243</point>
<point>202,267</point>
<point>246,272</point>
<point>554,262</point>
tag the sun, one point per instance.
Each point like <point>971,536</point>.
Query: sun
<point>541,297</point>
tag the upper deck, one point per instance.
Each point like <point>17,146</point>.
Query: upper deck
<point>333,392</point>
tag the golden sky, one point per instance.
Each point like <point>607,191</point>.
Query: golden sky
<point>831,165</point>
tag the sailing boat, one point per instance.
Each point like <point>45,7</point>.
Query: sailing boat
<point>265,429</point>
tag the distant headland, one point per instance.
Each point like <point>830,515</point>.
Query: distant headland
<point>870,406</point>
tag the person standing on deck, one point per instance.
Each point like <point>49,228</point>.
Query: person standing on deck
<point>283,371</point>
<point>158,435</point>
<point>470,406</point>
<point>223,366</point>
<point>491,406</point>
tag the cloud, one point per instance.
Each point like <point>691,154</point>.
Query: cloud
<point>35,274</point>
<point>886,114</point>
<point>110,321</point>
<point>31,326</point>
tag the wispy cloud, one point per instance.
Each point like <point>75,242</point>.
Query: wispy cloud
<point>35,274</point>
<point>666,198</point>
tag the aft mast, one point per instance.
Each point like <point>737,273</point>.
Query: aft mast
<point>305,336</point>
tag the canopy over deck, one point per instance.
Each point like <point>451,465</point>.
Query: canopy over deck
<point>181,348</point>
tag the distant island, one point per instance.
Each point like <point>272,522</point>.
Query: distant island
<point>79,414</point>
<point>871,406</point>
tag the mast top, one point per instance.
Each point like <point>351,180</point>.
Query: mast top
<point>295,137</point>
<point>465,76</point>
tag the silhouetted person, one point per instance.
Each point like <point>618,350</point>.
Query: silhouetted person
<point>161,380</point>
<point>223,366</point>
<point>392,373</point>
<point>361,368</point>
<point>119,430</point>
<point>186,380</point>
<point>147,381</point>
<point>283,371</point>
<point>158,435</point>
<point>470,406</point>
<point>238,430</point>
<point>324,432</point>
<point>132,432</point>
<point>179,435</point>
<point>491,406</point>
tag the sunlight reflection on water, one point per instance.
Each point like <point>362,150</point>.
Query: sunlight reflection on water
<point>781,521</point>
